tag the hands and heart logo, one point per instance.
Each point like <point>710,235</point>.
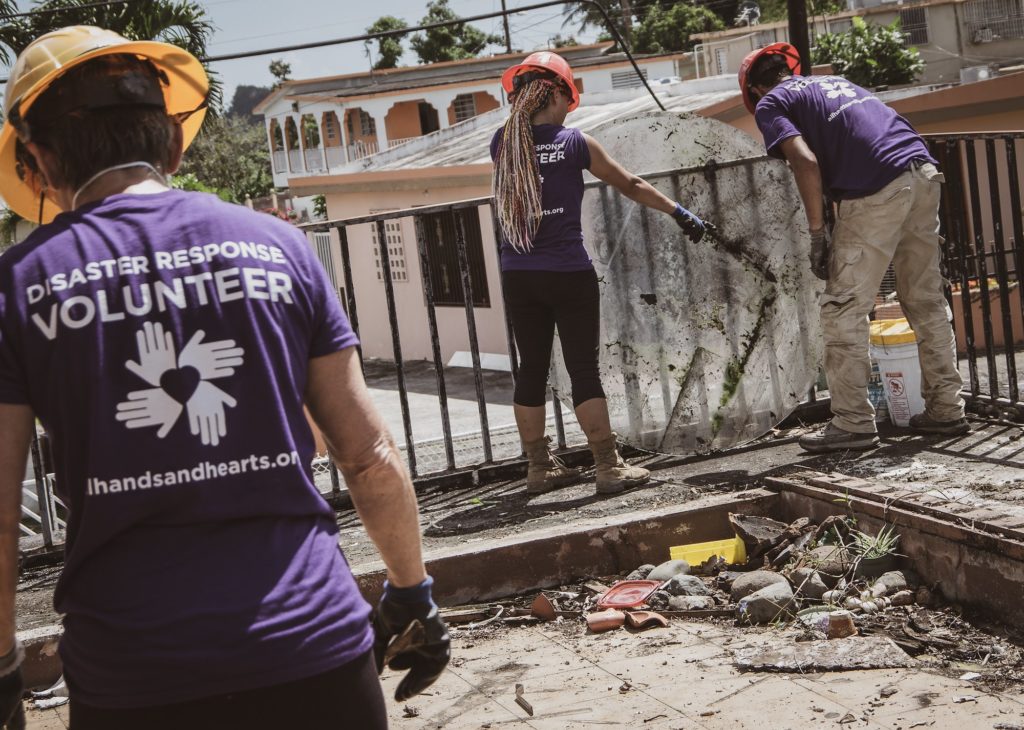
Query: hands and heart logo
<point>180,381</point>
<point>837,89</point>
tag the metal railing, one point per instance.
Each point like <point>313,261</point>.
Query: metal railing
<point>984,259</point>
<point>362,148</point>
<point>280,161</point>
<point>314,159</point>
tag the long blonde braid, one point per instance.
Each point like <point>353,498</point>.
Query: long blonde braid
<point>516,180</point>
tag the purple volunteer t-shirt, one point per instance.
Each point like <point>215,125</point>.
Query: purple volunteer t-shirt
<point>163,341</point>
<point>861,143</point>
<point>563,155</point>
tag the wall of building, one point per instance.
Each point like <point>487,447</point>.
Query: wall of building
<point>951,45</point>
<point>403,120</point>
<point>374,326</point>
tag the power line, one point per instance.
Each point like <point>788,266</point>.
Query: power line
<point>428,26</point>
<point>51,11</point>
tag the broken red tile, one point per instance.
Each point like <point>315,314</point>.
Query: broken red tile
<point>543,609</point>
<point>646,620</point>
<point>628,593</point>
<point>602,621</point>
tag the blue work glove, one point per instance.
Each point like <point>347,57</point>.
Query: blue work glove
<point>409,634</point>
<point>821,252</point>
<point>12,687</point>
<point>692,226</point>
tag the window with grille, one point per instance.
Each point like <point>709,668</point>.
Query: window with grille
<point>627,79</point>
<point>367,126</point>
<point>914,23</point>
<point>994,20</point>
<point>465,107</point>
<point>331,126</point>
<point>445,276</point>
<point>325,253</point>
<point>839,26</point>
<point>764,37</point>
<point>722,60</point>
<point>396,249</point>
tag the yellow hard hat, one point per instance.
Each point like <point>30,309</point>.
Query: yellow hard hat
<point>53,54</point>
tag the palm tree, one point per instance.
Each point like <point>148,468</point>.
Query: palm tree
<point>620,12</point>
<point>181,22</point>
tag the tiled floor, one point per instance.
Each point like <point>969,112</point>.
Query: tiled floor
<point>666,679</point>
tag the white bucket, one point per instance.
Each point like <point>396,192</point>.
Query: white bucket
<point>901,378</point>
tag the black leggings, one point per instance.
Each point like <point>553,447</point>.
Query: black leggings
<point>346,698</point>
<point>537,302</point>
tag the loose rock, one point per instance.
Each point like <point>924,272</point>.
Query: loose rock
<point>889,583</point>
<point>831,561</point>
<point>687,585</point>
<point>751,582</point>
<point>691,603</point>
<point>641,573</point>
<point>767,605</point>
<point>669,569</point>
<point>806,582</point>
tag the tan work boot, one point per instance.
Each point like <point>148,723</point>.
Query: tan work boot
<point>546,470</point>
<point>613,473</point>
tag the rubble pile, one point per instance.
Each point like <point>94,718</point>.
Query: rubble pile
<point>828,596</point>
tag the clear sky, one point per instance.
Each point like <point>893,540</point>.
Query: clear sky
<point>244,25</point>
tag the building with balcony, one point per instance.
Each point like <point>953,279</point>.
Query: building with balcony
<point>327,125</point>
<point>954,37</point>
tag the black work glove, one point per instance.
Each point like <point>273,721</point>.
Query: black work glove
<point>692,226</point>
<point>409,634</point>
<point>12,687</point>
<point>821,252</point>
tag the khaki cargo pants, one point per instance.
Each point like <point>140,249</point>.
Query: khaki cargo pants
<point>900,224</point>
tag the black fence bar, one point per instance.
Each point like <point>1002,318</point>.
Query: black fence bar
<point>982,268</point>
<point>513,355</point>
<point>346,267</point>
<point>396,343</point>
<point>435,340</point>
<point>1017,203</point>
<point>954,227</point>
<point>1002,275</point>
<point>556,408</point>
<point>42,492</point>
<point>474,343</point>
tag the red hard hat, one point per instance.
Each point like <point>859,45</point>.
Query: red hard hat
<point>543,61</point>
<point>786,50</point>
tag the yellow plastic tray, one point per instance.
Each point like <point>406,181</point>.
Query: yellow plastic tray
<point>733,550</point>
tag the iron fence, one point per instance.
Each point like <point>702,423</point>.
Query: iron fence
<point>984,255</point>
<point>983,260</point>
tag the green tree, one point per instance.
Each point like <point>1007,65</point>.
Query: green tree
<point>584,17</point>
<point>450,42</point>
<point>558,41</point>
<point>230,154</point>
<point>245,100</point>
<point>663,30</point>
<point>869,55</point>
<point>389,50</point>
<point>181,22</point>
<point>280,70</point>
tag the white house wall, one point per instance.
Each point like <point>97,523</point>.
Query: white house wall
<point>597,80</point>
<point>371,304</point>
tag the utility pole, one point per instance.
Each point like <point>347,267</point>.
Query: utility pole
<point>627,21</point>
<point>798,32</point>
<point>504,20</point>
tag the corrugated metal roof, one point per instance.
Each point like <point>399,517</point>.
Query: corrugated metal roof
<point>471,146</point>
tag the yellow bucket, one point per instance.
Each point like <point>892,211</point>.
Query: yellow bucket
<point>732,550</point>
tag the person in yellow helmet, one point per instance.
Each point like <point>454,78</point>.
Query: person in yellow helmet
<point>168,341</point>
